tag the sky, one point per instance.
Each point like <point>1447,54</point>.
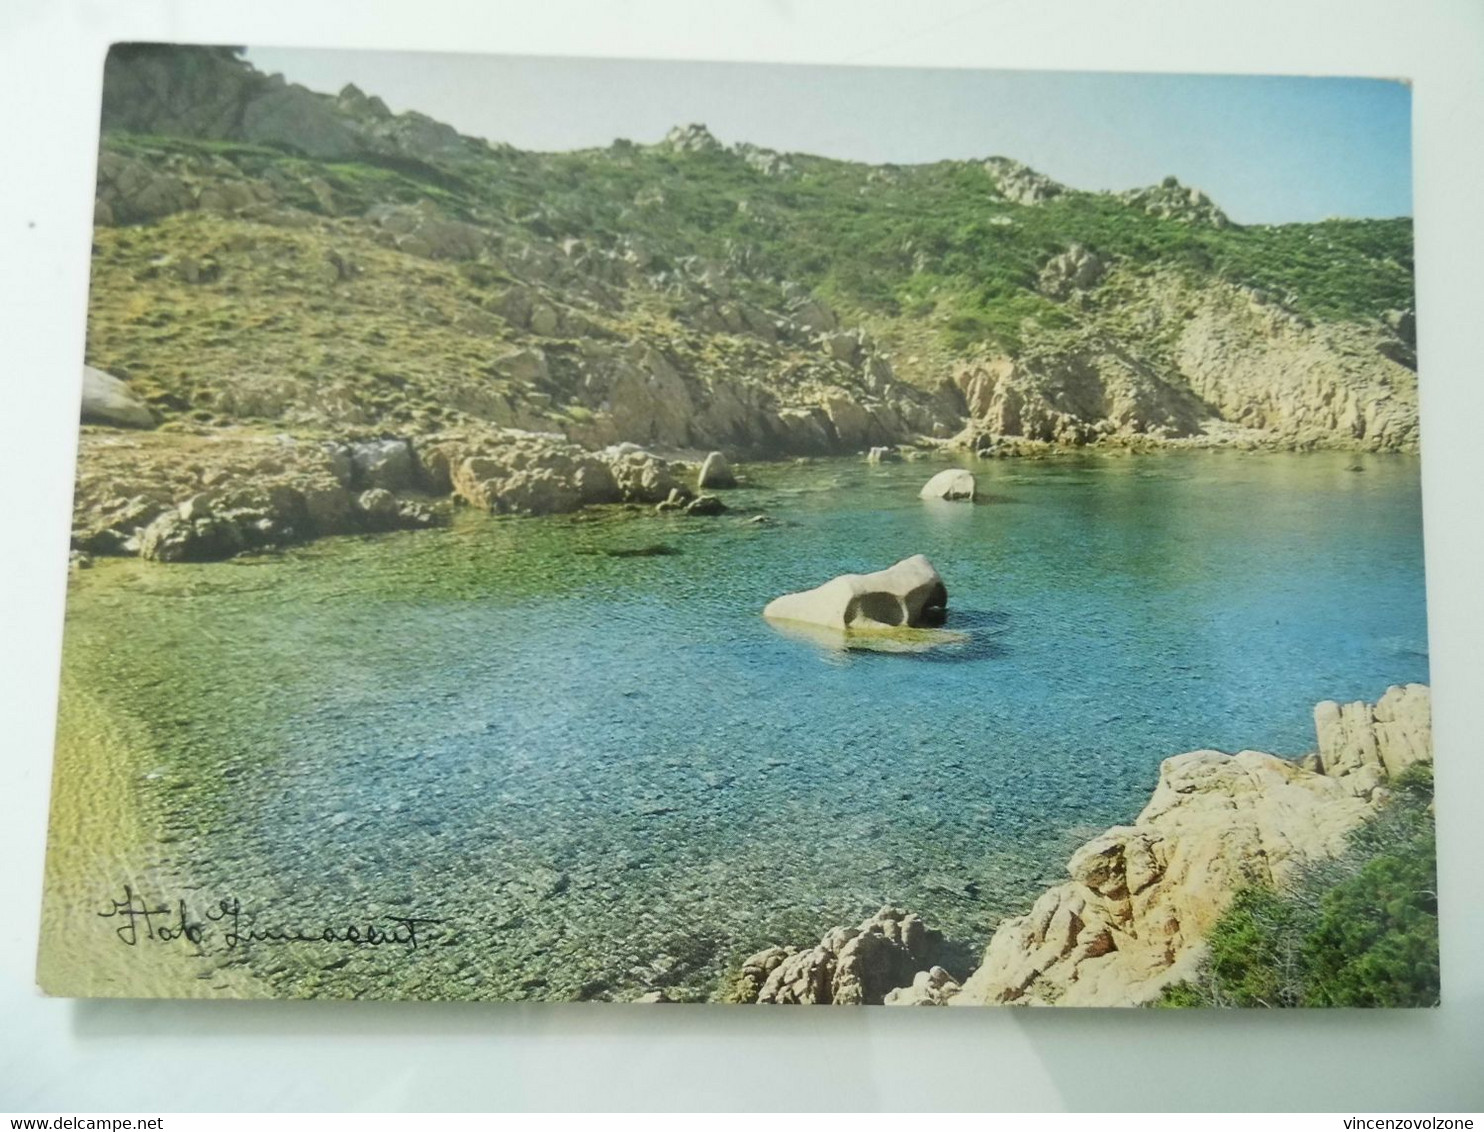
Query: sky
<point>1267,149</point>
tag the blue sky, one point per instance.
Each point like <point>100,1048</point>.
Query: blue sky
<point>1267,149</point>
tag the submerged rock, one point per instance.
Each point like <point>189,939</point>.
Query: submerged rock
<point>675,501</point>
<point>653,550</point>
<point>951,483</point>
<point>907,595</point>
<point>705,505</point>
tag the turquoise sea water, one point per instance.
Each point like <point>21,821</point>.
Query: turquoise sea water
<point>608,773</point>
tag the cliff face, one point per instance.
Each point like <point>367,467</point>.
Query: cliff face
<point>1259,366</point>
<point>271,256</point>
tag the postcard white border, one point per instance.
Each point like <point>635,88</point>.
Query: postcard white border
<point>110,1056</point>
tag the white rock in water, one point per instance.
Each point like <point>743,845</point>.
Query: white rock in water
<point>908,594</point>
<point>715,473</point>
<point>107,400</point>
<point>951,483</point>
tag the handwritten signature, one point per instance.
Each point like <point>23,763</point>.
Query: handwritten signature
<point>227,925</point>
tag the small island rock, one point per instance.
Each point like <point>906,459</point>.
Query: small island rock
<point>951,483</point>
<point>909,594</point>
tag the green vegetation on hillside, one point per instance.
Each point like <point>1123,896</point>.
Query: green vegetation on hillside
<point>933,240</point>
<point>266,255</point>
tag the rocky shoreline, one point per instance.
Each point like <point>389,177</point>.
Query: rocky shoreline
<point>189,498</point>
<point>1133,917</point>
<point>183,495</point>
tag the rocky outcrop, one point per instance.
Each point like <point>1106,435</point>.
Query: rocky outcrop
<point>850,966</point>
<point>1020,183</point>
<point>1075,394</point>
<point>175,499</point>
<point>208,92</point>
<point>181,498</point>
<point>107,400</point>
<point>692,138</point>
<point>423,230</point>
<point>956,484</point>
<point>529,316</point>
<point>909,594</point>
<point>1170,200</point>
<point>131,192</point>
<point>385,462</point>
<point>649,395</point>
<point>1256,364</point>
<point>1229,360</point>
<point>1074,270</point>
<point>513,472</point>
<point>768,162</point>
<point>933,987</point>
<point>715,473</point>
<point>125,482</point>
<point>1141,898</point>
<point>1363,745</point>
<point>220,524</point>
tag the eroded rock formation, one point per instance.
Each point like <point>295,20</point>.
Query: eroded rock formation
<point>850,966</point>
<point>1142,898</point>
<point>907,595</point>
<point>180,498</point>
<point>652,332</point>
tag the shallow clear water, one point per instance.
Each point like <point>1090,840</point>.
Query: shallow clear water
<point>608,773</point>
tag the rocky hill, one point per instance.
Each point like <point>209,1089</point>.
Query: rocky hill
<point>270,260</point>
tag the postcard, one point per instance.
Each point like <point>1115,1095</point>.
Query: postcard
<point>922,537</point>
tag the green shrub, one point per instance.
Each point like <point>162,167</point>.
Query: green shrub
<point>1360,930</point>
<point>1376,943</point>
